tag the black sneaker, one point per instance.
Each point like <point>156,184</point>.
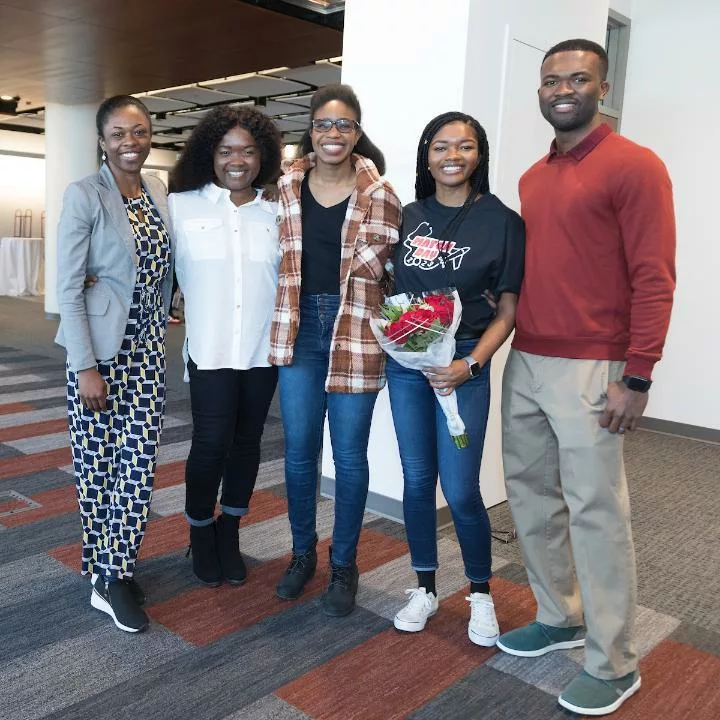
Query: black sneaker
<point>137,592</point>
<point>299,571</point>
<point>227,539</point>
<point>339,598</point>
<point>205,560</point>
<point>115,599</point>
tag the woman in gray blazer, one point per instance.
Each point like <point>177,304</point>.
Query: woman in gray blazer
<point>114,229</point>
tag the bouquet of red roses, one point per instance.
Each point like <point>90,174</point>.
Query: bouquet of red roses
<point>418,331</point>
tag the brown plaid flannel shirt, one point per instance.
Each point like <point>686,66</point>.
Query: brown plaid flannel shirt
<point>369,234</point>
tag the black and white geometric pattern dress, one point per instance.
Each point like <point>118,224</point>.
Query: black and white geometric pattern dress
<point>115,451</point>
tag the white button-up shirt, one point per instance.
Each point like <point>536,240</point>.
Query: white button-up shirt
<point>226,262</point>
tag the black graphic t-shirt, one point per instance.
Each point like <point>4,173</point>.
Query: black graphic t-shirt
<point>483,260</point>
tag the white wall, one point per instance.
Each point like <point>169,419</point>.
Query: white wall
<point>672,106</point>
<point>624,7</point>
<point>22,187</point>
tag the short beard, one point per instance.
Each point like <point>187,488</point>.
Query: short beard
<point>572,122</point>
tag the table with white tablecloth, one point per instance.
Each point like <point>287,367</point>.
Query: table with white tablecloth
<point>22,266</point>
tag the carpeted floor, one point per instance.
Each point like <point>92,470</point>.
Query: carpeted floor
<point>238,652</point>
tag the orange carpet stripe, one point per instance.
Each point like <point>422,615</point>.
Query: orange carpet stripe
<point>679,682</point>
<point>58,501</point>
<point>18,407</point>
<point>11,505</point>
<point>202,615</point>
<point>47,427</point>
<point>170,534</point>
<point>170,474</point>
<point>403,671</point>
<point>26,464</point>
<point>61,501</point>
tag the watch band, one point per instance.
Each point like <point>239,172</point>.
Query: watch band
<point>473,365</point>
<point>637,383</point>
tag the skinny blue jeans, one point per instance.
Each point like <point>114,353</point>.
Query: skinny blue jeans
<point>304,403</point>
<point>427,450</point>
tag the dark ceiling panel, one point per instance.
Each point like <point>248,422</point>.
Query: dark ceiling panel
<point>75,51</point>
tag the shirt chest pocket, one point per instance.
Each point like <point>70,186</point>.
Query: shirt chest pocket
<point>372,250</point>
<point>205,238</point>
<point>261,242</point>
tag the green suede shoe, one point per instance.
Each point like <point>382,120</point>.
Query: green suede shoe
<point>588,695</point>
<point>537,639</point>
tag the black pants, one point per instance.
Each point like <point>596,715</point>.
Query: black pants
<point>229,408</point>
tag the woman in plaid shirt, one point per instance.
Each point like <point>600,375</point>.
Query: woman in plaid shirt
<point>339,223</point>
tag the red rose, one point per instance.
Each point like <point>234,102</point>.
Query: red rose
<point>419,319</point>
<point>443,307</point>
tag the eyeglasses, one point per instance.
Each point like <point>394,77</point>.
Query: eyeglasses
<point>344,125</point>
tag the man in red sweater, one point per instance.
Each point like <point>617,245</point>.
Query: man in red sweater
<point>592,317</point>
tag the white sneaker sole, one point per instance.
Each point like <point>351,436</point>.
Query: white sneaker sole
<point>102,605</point>
<point>604,710</point>
<point>407,626</point>
<point>567,645</point>
<point>483,640</point>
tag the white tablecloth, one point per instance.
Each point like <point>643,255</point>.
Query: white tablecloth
<point>22,266</point>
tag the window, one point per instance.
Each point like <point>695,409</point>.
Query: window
<point>617,44</point>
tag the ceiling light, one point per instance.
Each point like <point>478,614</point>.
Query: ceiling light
<point>9,103</point>
<point>324,7</point>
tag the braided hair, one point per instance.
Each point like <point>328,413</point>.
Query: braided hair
<point>479,180</point>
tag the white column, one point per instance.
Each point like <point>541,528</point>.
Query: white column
<point>410,60</point>
<point>70,154</point>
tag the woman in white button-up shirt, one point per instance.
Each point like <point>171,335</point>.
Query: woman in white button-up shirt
<point>226,263</point>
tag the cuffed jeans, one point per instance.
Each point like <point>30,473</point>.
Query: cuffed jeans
<point>568,495</point>
<point>304,402</point>
<point>229,409</point>
<point>426,450</point>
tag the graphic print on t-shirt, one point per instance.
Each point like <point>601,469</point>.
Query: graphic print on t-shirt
<point>427,253</point>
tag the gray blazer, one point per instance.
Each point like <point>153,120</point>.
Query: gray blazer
<point>95,238</point>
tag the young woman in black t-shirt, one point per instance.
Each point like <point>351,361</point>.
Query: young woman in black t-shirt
<point>456,233</point>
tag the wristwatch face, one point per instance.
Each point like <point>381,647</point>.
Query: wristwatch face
<point>638,384</point>
<point>474,366</point>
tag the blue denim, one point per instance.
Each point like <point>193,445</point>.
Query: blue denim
<point>426,450</point>
<point>304,402</point>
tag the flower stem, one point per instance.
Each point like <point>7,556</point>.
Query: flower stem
<point>461,441</point>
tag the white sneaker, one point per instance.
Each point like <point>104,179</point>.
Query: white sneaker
<point>415,614</point>
<point>483,627</point>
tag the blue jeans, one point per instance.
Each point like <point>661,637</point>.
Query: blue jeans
<point>304,402</point>
<point>426,450</point>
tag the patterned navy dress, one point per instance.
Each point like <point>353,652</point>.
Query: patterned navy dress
<point>115,451</point>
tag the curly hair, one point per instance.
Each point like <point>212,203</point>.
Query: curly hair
<point>195,167</point>
<point>345,94</point>
<point>479,180</point>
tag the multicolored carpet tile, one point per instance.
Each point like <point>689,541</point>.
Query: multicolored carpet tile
<point>240,652</point>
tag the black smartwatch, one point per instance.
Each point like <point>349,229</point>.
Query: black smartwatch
<point>473,365</point>
<point>637,383</point>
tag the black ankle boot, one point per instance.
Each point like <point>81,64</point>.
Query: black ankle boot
<point>205,561</point>
<point>339,598</point>
<point>228,539</point>
<point>299,572</point>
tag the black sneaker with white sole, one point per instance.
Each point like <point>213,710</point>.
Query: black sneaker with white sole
<point>116,599</point>
<point>137,592</point>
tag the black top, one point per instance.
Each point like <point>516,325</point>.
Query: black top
<point>485,257</point>
<point>321,244</point>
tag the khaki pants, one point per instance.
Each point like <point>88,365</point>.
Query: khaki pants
<point>568,495</point>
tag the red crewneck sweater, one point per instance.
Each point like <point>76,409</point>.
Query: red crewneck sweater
<point>600,254</point>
